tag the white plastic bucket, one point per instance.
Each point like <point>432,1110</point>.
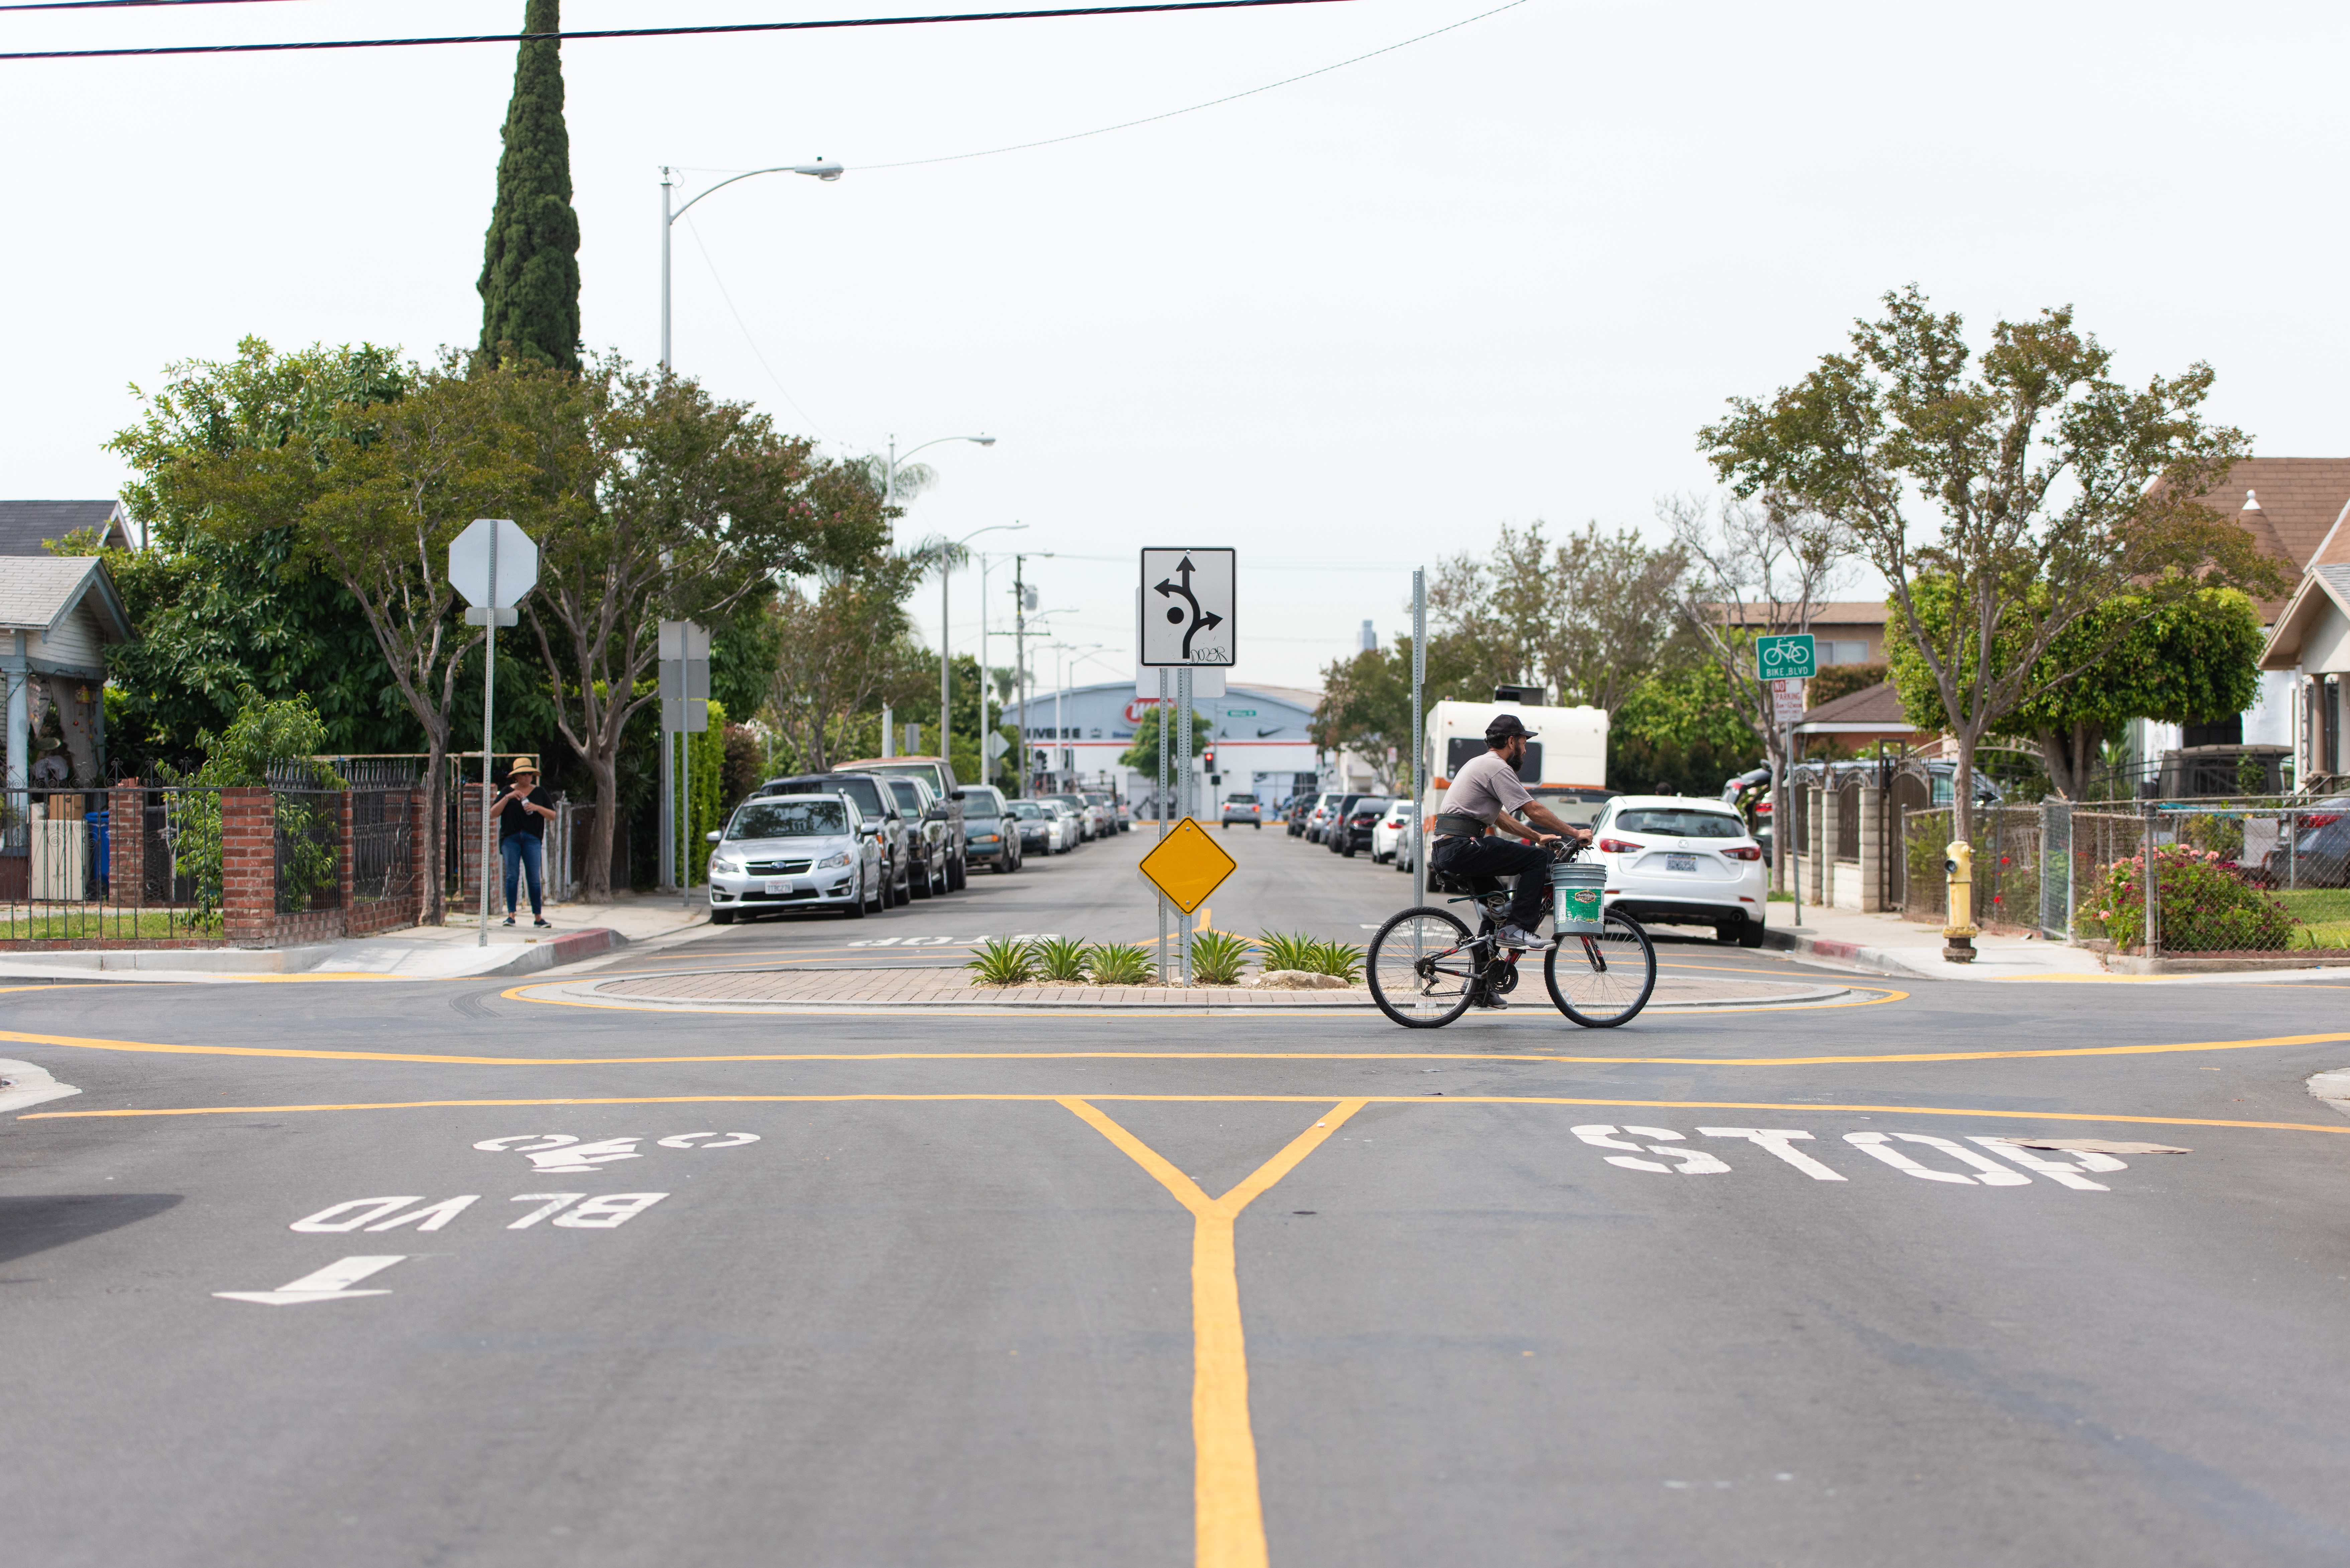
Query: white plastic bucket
<point>1574,892</point>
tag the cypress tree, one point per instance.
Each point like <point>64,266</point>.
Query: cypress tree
<point>530,260</point>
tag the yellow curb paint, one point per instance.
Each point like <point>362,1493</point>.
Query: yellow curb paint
<point>2335,1129</point>
<point>1227,1513</point>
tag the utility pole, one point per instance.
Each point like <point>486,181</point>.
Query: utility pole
<point>1020,658</point>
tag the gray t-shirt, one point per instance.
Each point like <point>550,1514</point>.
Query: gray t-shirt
<point>1485,787</point>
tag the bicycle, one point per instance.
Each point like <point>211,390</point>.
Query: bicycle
<point>1426,970</point>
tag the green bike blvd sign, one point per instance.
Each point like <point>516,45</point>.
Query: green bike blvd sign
<point>1784,658</point>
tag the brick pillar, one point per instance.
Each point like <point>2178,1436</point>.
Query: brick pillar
<point>126,844</point>
<point>249,867</point>
<point>1872,848</point>
<point>469,845</point>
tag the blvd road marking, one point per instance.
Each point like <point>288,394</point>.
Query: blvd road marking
<point>608,1212</point>
<point>1228,1514</point>
<point>564,1154</point>
<point>328,1285</point>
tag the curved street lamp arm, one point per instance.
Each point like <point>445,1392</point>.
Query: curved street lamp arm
<point>819,170</point>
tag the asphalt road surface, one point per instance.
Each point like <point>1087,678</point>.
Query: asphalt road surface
<point>432,1272</point>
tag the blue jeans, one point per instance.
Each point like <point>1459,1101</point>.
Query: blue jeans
<point>522,851</point>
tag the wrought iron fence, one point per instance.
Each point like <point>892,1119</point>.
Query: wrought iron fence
<point>121,865</point>
<point>309,850</point>
<point>380,850</point>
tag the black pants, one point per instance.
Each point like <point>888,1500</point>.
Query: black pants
<point>1494,856</point>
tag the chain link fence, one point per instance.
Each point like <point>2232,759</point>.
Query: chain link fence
<point>2237,879</point>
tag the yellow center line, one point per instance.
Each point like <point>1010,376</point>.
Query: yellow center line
<point>1228,1513</point>
<point>2341,1127</point>
<point>86,1043</point>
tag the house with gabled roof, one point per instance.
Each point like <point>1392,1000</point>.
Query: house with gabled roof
<point>30,527</point>
<point>59,614</point>
<point>2309,644</point>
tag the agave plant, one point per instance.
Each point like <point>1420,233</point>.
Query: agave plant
<point>1115,963</point>
<point>1294,949</point>
<point>1341,958</point>
<point>1001,961</point>
<point>1061,958</point>
<point>1217,958</point>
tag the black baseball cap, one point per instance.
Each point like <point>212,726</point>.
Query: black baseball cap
<point>1507,725</point>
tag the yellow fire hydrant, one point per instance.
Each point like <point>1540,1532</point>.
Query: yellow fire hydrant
<point>1959,936</point>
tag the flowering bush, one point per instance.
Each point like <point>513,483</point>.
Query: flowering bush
<point>2202,905</point>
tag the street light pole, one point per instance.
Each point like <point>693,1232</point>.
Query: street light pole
<point>819,170</point>
<point>946,678</point>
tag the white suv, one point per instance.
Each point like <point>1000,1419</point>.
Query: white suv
<point>1682,860</point>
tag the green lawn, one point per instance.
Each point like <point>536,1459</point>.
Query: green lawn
<point>62,923</point>
<point>2324,914</point>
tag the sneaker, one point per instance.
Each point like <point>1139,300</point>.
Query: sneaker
<point>1513,936</point>
<point>1491,1001</point>
<point>544,925</point>
<point>509,919</point>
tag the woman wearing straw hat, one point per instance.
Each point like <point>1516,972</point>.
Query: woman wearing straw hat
<point>523,813</point>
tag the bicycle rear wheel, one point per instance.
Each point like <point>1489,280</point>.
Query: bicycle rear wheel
<point>1604,981</point>
<point>1421,968</point>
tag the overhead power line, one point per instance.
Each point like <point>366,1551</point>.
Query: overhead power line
<point>654,32</point>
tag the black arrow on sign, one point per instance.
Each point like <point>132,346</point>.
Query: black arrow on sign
<point>1202,619</point>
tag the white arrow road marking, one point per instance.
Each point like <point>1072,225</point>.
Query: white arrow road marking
<point>1779,1141</point>
<point>326,1285</point>
<point>22,1084</point>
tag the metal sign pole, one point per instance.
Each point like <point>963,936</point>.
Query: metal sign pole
<point>489,697</point>
<point>685,818</point>
<point>1184,791</point>
<point>1159,810</point>
<point>1418,738</point>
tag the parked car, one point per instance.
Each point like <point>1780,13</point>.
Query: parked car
<point>1106,805</point>
<point>1244,808</point>
<point>1125,816</point>
<point>1392,829</point>
<point>990,834</point>
<point>882,820</point>
<point>938,775</point>
<point>1353,831</point>
<point>2319,855</point>
<point>1072,820</point>
<point>795,851</point>
<point>1332,838</point>
<point>1682,860</point>
<point>1042,828</point>
<point>1088,820</point>
<point>1311,811</point>
<point>927,853</point>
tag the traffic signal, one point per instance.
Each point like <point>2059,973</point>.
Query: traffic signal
<point>1209,757</point>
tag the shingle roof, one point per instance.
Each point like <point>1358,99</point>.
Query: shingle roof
<point>1877,705</point>
<point>35,593</point>
<point>26,526</point>
<point>1829,612</point>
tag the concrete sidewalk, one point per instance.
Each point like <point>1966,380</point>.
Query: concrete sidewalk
<point>580,932</point>
<point>1887,944</point>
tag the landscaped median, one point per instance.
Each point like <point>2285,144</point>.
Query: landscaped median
<point>821,990</point>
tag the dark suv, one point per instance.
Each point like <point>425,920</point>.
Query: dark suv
<point>899,840</point>
<point>1353,831</point>
<point>935,774</point>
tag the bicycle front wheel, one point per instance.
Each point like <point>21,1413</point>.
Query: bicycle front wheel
<point>1421,968</point>
<point>1604,981</point>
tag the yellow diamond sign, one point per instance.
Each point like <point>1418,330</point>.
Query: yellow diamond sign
<point>1187,865</point>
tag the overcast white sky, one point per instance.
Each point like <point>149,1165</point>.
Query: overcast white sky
<point>1345,326</point>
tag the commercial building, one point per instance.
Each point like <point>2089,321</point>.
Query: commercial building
<point>1263,745</point>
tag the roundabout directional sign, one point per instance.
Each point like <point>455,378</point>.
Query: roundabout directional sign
<point>1186,606</point>
<point>1187,865</point>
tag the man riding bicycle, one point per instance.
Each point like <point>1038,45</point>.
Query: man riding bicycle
<point>1481,800</point>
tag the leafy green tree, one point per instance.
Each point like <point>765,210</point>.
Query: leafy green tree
<point>849,648</point>
<point>2182,661</point>
<point>1583,617</point>
<point>2037,484</point>
<point>1366,705</point>
<point>530,258</point>
<point>1143,755</point>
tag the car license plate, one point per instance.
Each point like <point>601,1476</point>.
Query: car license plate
<point>779,885</point>
<point>1681,862</point>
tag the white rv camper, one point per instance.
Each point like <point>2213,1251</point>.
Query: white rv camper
<point>1565,763</point>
